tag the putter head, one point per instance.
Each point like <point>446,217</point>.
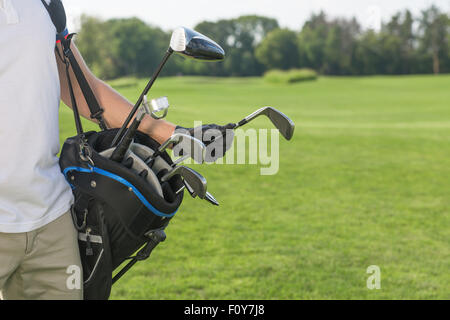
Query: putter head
<point>282,122</point>
<point>195,180</point>
<point>158,108</point>
<point>192,44</point>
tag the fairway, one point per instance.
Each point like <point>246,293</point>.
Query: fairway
<point>364,181</point>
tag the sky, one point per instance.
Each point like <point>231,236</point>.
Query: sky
<point>169,14</point>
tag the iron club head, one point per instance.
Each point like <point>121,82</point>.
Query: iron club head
<point>282,122</point>
<point>195,180</point>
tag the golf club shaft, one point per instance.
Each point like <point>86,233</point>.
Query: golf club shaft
<point>157,153</point>
<point>180,160</point>
<point>188,188</point>
<point>282,122</point>
<point>119,153</point>
<point>124,144</point>
<point>240,123</point>
<point>173,140</point>
<point>247,119</point>
<point>138,103</point>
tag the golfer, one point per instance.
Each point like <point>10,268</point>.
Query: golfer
<point>38,241</point>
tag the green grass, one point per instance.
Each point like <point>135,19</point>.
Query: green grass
<point>365,181</point>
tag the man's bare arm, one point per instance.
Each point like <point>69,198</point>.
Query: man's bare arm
<point>115,105</point>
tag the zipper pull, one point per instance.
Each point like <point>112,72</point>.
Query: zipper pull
<point>89,251</point>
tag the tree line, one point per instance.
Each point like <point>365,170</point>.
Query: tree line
<point>254,44</point>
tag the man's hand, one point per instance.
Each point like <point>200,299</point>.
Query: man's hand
<point>217,139</point>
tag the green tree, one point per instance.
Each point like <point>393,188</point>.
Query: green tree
<point>253,44</point>
<point>279,50</point>
<point>120,47</point>
<point>399,41</point>
<point>340,46</point>
<point>92,41</point>
<point>311,42</point>
<point>239,37</point>
<point>434,30</point>
<point>368,56</point>
<point>135,47</point>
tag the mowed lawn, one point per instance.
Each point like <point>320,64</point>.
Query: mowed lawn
<point>365,181</point>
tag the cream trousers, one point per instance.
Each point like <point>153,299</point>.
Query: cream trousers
<point>42,264</point>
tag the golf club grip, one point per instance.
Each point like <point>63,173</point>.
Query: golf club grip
<point>119,153</point>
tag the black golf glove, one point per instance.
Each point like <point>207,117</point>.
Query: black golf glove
<point>217,139</point>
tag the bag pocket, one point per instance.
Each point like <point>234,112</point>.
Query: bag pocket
<point>95,253</point>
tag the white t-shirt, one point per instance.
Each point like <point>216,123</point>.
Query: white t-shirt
<point>33,191</point>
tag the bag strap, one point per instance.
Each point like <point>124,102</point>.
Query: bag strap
<point>91,100</point>
<point>57,13</point>
<point>72,95</point>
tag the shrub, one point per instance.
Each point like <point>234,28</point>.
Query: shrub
<point>290,76</point>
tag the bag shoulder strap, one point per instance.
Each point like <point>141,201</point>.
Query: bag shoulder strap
<point>57,14</point>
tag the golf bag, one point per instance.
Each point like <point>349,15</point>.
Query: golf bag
<point>118,209</point>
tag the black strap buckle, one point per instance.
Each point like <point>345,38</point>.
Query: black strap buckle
<point>66,44</point>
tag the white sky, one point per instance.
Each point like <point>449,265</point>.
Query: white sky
<point>169,14</point>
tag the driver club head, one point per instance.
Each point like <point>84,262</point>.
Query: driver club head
<point>193,44</point>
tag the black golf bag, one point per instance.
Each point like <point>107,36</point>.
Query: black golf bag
<point>119,208</point>
<point>116,210</point>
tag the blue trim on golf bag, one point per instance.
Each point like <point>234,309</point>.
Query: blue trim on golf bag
<point>122,181</point>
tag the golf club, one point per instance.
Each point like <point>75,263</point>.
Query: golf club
<point>194,147</point>
<point>193,44</point>
<point>285,125</point>
<point>188,43</point>
<point>195,180</point>
<point>208,196</point>
<point>121,150</point>
<point>180,160</point>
